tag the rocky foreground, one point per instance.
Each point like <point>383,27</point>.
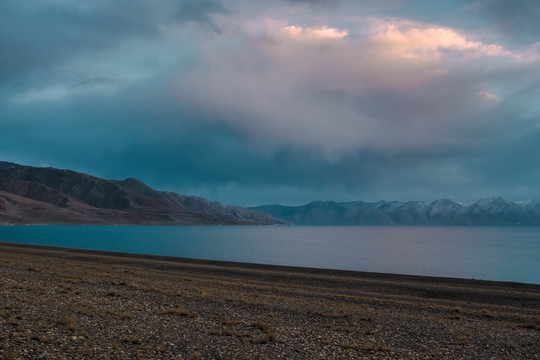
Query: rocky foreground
<point>73,304</point>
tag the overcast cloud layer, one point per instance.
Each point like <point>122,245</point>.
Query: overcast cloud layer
<point>250,102</point>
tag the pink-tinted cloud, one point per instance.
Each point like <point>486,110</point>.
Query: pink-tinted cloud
<point>299,33</point>
<point>389,83</point>
<point>488,96</point>
<point>426,43</point>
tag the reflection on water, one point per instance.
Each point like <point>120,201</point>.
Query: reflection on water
<point>491,253</point>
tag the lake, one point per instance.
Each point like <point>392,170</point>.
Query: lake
<point>488,253</point>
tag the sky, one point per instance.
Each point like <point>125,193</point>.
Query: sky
<point>280,101</point>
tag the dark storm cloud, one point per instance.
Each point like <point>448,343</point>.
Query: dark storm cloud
<point>315,2</point>
<point>95,81</point>
<point>518,18</point>
<point>199,11</point>
<point>37,35</point>
<point>283,104</point>
<point>110,142</point>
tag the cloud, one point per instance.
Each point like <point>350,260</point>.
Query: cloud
<point>517,19</point>
<point>421,42</point>
<point>57,92</point>
<point>279,102</point>
<point>314,2</point>
<point>390,84</point>
<point>39,37</point>
<point>199,12</point>
<point>299,33</point>
<point>487,95</point>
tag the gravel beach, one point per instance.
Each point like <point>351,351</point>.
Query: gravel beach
<point>58,303</point>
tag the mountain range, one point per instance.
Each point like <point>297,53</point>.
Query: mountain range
<point>487,211</point>
<point>31,195</point>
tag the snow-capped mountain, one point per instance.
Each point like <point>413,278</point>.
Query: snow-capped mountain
<point>487,211</point>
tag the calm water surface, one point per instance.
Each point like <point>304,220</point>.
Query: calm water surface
<point>491,253</point>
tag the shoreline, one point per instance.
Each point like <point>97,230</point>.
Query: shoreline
<point>248,265</point>
<point>75,303</point>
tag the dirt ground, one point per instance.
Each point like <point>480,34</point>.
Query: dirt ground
<point>60,303</point>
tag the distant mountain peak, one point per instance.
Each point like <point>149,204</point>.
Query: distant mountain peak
<point>132,181</point>
<point>444,201</point>
<point>136,184</point>
<point>526,202</point>
<point>487,211</point>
